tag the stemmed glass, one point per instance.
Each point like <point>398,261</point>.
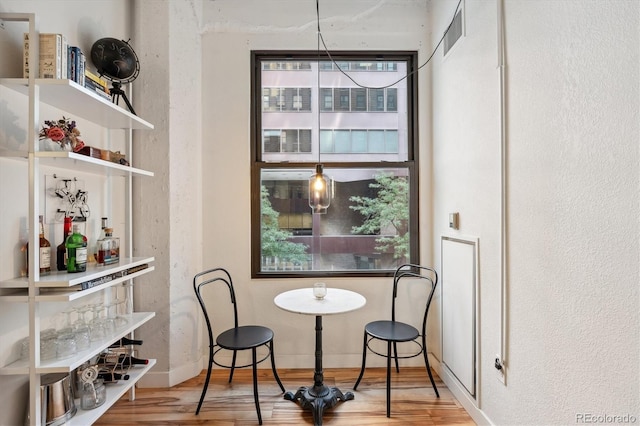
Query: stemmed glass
<point>97,326</point>
<point>81,328</point>
<point>110,317</point>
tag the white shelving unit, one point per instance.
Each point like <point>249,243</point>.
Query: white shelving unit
<point>61,287</point>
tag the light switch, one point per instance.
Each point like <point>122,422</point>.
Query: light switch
<point>454,220</point>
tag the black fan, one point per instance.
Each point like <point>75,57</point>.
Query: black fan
<point>116,61</point>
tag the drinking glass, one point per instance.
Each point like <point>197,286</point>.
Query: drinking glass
<point>66,344</point>
<point>319,290</point>
<point>97,326</point>
<point>81,328</point>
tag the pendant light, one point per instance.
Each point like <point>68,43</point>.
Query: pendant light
<point>319,191</point>
<point>320,185</point>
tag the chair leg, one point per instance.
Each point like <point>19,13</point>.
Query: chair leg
<point>206,382</point>
<point>395,355</point>
<point>364,361</point>
<point>255,383</point>
<point>273,366</point>
<point>233,365</point>
<point>389,378</point>
<point>426,362</point>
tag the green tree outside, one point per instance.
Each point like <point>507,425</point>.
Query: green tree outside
<point>388,211</point>
<point>275,240</point>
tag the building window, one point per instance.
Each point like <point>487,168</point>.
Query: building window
<point>371,226</point>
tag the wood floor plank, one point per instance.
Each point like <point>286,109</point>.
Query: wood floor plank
<point>231,404</point>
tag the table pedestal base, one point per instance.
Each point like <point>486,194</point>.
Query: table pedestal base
<point>317,398</point>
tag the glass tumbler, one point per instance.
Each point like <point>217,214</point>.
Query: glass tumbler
<point>319,290</point>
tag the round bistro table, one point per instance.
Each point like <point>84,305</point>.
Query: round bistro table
<point>319,397</point>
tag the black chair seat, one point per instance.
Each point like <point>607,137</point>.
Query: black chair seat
<point>392,331</point>
<point>245,337</point>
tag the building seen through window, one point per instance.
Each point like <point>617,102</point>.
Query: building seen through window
<point>307,112</point>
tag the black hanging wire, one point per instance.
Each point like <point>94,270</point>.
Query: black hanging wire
<point>320,38</point>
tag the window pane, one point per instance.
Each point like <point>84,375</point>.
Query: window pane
<point>392,99</point>
<point>305,140</point>
<point>376,99</point>
<point>358,99</point>
<point>327,99</point>
<point>326,141</point>
<point>342,141</point>
<point>366,226</point>
<point>391,141</point>
<point>341,99</point>
<point>376,141</point>
<point>271,141</point>
<point>359,140</point>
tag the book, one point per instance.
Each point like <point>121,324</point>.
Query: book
<point>74,58</point>
<point>96,88</point>
<point>96,79</point>
<point>51,56</point>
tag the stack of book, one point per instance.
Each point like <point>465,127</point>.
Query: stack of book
<point>96,84</point>
<point>60,60</point>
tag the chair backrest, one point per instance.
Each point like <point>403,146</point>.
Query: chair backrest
<point>409,270</point>
<point>210,276</point>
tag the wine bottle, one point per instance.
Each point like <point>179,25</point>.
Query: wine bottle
<point>111,377</point>
<point>61,251</point>
<point>76,251</point>
<point>123,359</point>
<point>131,360</point>
<point>45,251</point>
<point>125,341</point>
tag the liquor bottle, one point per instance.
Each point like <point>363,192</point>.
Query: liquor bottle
<point>61,252</point>
<point>102,235</point>
<point>76,251</point>
<point>45,251</point>
<point>125,341</point>
<point>108,248</point>
<point>110,377</point>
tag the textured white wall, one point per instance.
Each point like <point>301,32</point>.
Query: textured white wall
<point>573,138</point>
<point>169,217</point>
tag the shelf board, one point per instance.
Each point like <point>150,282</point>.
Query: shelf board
<point>73,98</point>
<point>114,393</point>
<point>21,366</point>
<point>79,162</point>
<point>68,294</point>
<point>65,279</point>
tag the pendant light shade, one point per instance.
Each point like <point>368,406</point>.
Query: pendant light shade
<point>319,191</point>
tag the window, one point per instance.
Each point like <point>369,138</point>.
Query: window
<point>364,136</point>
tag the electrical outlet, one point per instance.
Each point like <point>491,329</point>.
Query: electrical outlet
<point>499,366</point>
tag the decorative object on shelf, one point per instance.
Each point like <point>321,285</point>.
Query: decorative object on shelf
<point>64,132</point>
<point>116,61</point>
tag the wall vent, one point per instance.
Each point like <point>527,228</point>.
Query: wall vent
<point>454,33</point>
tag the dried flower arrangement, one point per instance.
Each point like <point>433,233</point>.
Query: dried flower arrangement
<point>64,132</point>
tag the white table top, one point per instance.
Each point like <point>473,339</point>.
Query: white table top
<point>302,301</point>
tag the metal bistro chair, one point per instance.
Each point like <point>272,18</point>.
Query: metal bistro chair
<point>394,331</point>
<point>238,338</point>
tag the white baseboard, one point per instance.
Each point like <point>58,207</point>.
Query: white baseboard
<point>167,379</point>
<point>461,394</point>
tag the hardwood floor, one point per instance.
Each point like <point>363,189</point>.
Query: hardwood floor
<point>412,401</point>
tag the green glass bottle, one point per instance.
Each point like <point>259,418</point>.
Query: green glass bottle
<point>76,251</point>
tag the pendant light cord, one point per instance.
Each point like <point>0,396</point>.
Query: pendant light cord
<point>320,38</point>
